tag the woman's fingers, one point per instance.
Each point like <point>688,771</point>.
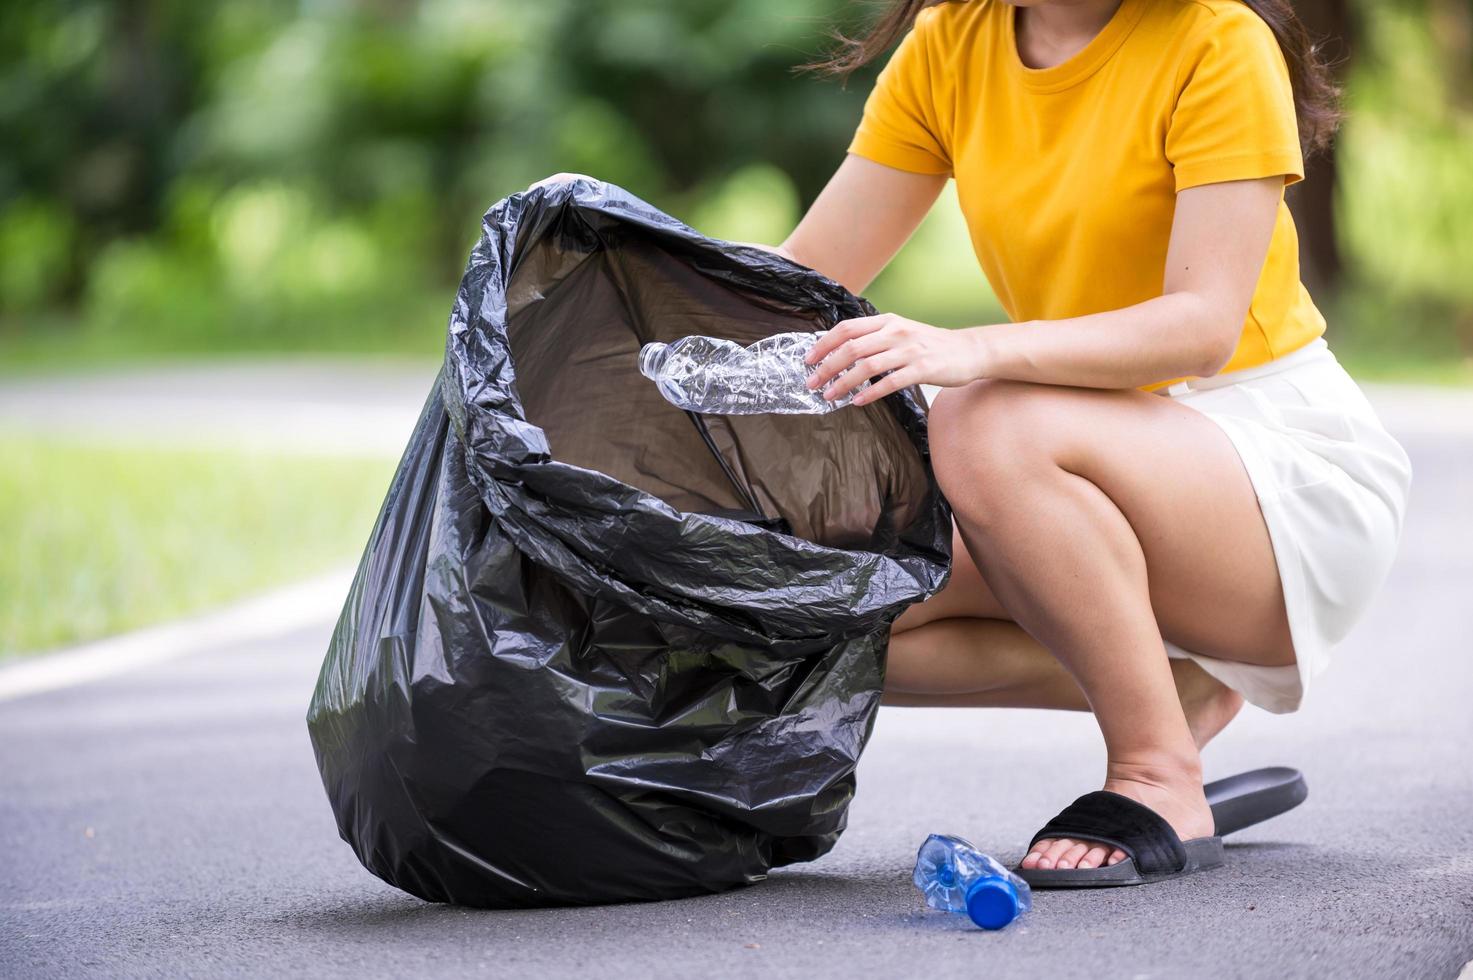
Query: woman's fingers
<point>888,385</point>
<point>846,355</point>
<point>864,369</point>
<point>842,332</point>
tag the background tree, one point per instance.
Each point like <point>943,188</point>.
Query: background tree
<point>283,174</point>
<point>1312,201</point>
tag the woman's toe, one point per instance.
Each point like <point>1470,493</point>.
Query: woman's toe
<point>1056,850</point>
<point>1070,858</point>
<point>1064,854</point>
<point>1093,858</point>
<point>1040,853</point>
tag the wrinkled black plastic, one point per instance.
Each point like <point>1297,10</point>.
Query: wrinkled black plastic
<point>599,649</point>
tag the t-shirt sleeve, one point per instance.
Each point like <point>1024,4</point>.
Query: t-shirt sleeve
<point>1234,117</point>
<point>901,127</point>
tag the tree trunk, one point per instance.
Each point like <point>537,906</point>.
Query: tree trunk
<point>1312,201</point>
<point>1452,25</point>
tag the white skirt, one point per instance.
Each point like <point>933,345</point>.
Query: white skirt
<point>1332,484</point>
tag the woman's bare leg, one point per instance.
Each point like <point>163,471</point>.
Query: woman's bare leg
<point>959,649</point>
<point>1092,514</point>
<point>991,663</point>
<point>980,663</point>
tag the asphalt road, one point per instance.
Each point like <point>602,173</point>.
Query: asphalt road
<point>169,822</point>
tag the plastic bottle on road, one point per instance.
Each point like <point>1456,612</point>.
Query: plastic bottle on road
<point>956,877</point>
<point>707,374</point>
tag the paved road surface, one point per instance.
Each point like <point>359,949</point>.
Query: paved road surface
<point>169,822</point>
<point>320,405</point>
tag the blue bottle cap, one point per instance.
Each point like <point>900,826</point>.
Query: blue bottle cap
<point>992,902</point>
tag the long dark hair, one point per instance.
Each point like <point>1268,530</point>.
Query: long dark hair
<point>1316,95</point>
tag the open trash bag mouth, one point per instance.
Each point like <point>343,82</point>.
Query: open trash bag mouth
<point>599,648</point>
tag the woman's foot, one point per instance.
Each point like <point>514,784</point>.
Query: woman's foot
<point>1209,705</point>
<point>1176,794</point>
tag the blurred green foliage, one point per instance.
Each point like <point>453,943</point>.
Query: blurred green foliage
<point>308,175</point>
<point>250,173</point>
<point>79,564</point>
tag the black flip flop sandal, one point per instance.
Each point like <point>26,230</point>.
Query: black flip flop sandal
<point>1155,852</point>
<point>1253,797</point>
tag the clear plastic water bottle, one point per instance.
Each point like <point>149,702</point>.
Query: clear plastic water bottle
<point>707,374</point>
<point>956,877</point>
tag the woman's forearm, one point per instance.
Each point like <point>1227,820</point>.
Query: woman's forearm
<point>1172,336</point>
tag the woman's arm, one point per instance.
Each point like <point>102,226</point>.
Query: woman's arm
<point>865,213</point>
<point>1219,239</point>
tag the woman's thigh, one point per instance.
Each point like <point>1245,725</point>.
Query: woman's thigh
<point>1172,472</point>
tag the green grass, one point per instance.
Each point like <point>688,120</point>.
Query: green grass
<point>99,540</point>
<point>1399,369</point>
<point>64,342</point>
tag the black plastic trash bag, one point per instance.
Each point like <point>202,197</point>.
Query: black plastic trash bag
<point>599,649</point>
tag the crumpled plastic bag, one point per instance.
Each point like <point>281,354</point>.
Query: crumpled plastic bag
<point>599,649</point>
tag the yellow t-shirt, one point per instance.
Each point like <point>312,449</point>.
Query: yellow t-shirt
<point>1068,175</point>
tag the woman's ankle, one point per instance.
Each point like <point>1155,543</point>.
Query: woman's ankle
<point>1166,770</point>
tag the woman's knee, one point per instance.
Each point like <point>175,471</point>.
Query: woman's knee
<point>985,434</point>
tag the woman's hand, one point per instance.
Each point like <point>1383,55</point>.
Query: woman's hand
<point>860,350</point>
